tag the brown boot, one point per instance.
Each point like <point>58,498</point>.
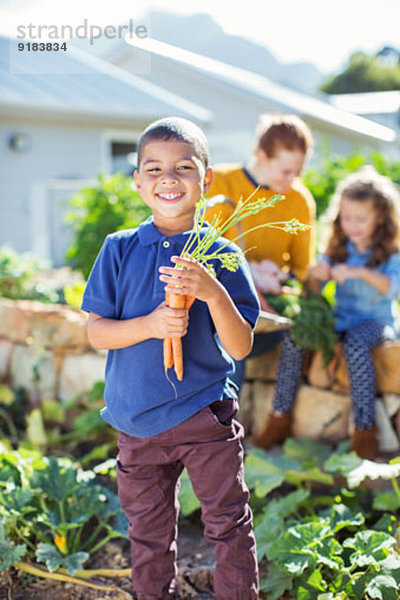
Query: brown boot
<point>365,442</point>
<point>276,430</point>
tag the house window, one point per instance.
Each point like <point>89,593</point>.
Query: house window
<point>123,157</point>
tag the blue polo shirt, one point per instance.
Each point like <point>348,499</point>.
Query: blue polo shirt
<point>124,283</point>
<point>357,300</point>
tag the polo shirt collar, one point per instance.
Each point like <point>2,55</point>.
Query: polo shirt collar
<point>149,234</point>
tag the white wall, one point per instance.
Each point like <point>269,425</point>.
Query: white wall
<point>56,152</point>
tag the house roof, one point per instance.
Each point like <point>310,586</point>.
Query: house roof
<point>368,103</point>
<point>77,83</point>
<point>261,87</point>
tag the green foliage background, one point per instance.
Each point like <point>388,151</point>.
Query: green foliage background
<point>110,205</point>
<point>323,179</point>
<point>364,73</point>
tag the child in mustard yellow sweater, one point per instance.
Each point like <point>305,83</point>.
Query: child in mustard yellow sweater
<point>281,147</point>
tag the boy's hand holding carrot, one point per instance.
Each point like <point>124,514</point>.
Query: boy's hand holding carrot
<point>191,279</point>
<point>168,322</point>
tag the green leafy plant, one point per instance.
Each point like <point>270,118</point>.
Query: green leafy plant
<point>111,204</point>
<point>17,277</point>
<point>53,511</point>
<point>313,318</point>
<point>323,546</point>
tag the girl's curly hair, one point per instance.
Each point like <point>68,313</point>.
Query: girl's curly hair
<point>368,185</point>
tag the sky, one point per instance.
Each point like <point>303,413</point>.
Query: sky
<point>317,31</point>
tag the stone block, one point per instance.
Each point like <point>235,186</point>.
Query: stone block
<point>14,321</point>
<point>6,348</point>
<point>47,325</point>
<point>263,367</point>
<point>318,375</point>
<point>80,372</point>
<point>262,405</point>
<point>244,415</point>
<point>25,361</point>
<point>59,327</point>
<point>387,361</point>
<point>321,414</point>
<point>318,414</point>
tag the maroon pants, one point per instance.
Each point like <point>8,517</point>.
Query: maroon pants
<point>208,444</point>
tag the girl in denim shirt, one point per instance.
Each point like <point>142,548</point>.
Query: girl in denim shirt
<point>363,258</point>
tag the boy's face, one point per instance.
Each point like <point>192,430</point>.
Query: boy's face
<point>170,180</point>
<point>282,168</point>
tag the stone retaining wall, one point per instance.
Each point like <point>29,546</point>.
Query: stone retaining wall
<point>45,349</point>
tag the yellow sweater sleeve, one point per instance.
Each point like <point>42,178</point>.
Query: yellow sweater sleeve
<point>220,202</point>
<point>302,249</point>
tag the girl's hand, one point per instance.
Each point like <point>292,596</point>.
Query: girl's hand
<point>321,271</point>
<point>192,280</point>
<point>342,272</point>
<point>167,322</point>
<point>266,276</point>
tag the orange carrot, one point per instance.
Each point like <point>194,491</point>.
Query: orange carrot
<point>168,356</point>
<point>178,357</point>
<point>176,301</point>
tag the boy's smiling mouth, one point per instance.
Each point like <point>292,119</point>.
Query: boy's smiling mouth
<point>170,196</point>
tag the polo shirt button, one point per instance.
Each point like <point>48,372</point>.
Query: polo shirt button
<point>166,244</point>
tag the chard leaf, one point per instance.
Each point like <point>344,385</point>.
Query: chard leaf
<point>9,552</point>
<point>307,451</point>
<point>298,547</point>
<point>309,589</point>
<point>383,587</point>
<point>110,505</point>
<point>341,517</point>
<point>370,547</point>
<point>262,475</point>
<point>121,524</point>
<point>328,554</point>
<point>386,501</point>
<point>385,523</point>
<point>188,500</point>
<point>16,500</point>
<point>277,583</point>
<point>315,474</point>
<point>53,559</point>
<point>266,533</point>
<point>341,464</point>
<point>272,524</point>
<point>285,505</point>
<point>9,472</point>
<point>57,480</point>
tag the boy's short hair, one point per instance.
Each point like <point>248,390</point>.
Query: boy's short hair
<point>179,130</point>
<point>277,131</point>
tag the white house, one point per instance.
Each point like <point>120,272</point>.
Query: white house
<point>236,97</point>
<point>382,107</point>
<point>60,130</point>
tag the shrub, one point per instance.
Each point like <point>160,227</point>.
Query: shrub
<point>109,205</point>
<point>323,179</point>
<point>19,277</point>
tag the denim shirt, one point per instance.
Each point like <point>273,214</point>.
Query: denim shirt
<point>357,300</point>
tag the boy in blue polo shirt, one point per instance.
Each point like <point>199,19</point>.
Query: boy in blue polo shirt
<point>164,428</point>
